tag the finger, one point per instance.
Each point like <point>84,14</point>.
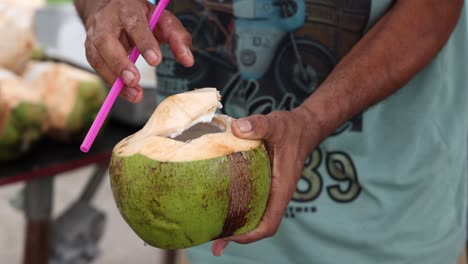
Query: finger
<point>171,31</point>
<point>135,22</point>
<point>132,94</point>
<point>278,201</point>
<point>218,246</point>
<point>281,190</point>
<point>98,63</point>
<point>270,222</point>
<point>252,127</point>
<point>116,58</point>
<point>127,43</point>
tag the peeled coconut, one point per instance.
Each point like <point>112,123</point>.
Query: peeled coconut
<point>184,179</point>
<point>72,96</point>
<point>22,116</point>
<point>17,40</point>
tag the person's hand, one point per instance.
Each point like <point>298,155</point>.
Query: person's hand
<point>114,27</point>
<point>289,138</point>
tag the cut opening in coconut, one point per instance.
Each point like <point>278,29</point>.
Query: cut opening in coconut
<point>201,129</point>
<point>185,127</point>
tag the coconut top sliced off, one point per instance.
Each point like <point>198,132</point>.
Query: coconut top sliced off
<point>184,127</point>
<point>181,111</point>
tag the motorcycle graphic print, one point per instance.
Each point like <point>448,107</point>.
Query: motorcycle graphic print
<point>268,55</point>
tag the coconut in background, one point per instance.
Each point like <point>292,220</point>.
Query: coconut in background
<point>68,97</point>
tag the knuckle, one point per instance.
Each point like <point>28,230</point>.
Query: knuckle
<point>91,34</point>
<point>117,64</point>
<point>100,41</point>
<point>131,22</point>
<point>88,45</point>
<point>91,21</point>
<point>99,19</point>
<point>186,37</point>
<point>169,19</point>
<point>277,126</point>
<point>263,124</point>
<point>90,56</point>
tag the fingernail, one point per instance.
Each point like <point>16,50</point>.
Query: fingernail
<point>151,56</point>
<point>244,125</point>
<point>220,245</point>
<point>131,93</point>
<point>128,76</point>
<point>189,53</point>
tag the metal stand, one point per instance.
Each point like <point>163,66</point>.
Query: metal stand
<point>38,210</point>
<point>78,230</point>
<point>75,234</point>
<point>170,257</point>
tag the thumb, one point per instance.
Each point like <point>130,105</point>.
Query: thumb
<point>252,127</point>
<point>218,246</point>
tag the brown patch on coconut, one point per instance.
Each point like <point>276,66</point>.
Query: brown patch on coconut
<point>240,194</point>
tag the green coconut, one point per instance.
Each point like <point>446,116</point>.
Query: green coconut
<point>73,97</point>
<point>22,129</point>
<point>184,179</point>
<point>22,116</point>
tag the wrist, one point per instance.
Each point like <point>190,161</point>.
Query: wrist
<point>86,8</point>
<point>311,126</point>
<point>329,108</point>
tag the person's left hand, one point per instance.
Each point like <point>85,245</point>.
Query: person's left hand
<point>289,138</point>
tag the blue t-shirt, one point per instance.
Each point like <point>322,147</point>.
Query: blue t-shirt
<point>389,186</point>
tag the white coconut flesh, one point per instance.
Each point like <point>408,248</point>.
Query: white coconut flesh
<point>184,127</point>
<point>16,36</point>
<point>13,90</point>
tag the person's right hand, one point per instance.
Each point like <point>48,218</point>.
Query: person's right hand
<point>114,27</point>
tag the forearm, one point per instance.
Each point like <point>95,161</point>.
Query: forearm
<point>405,40</point>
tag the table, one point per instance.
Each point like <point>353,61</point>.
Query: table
<point>37,168</point>
<point>49,157</point>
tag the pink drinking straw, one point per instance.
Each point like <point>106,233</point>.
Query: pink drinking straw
<point>118,85</point>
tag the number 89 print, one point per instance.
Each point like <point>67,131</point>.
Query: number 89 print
<point>339,167</point>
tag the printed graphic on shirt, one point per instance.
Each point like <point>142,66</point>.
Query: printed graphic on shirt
<point>266,55</point>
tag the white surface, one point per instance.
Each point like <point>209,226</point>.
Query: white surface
<point>119,244</point>
<point>26,3</point>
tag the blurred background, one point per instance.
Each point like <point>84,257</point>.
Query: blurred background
<point>118,244</point>
<point>56,205</point>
